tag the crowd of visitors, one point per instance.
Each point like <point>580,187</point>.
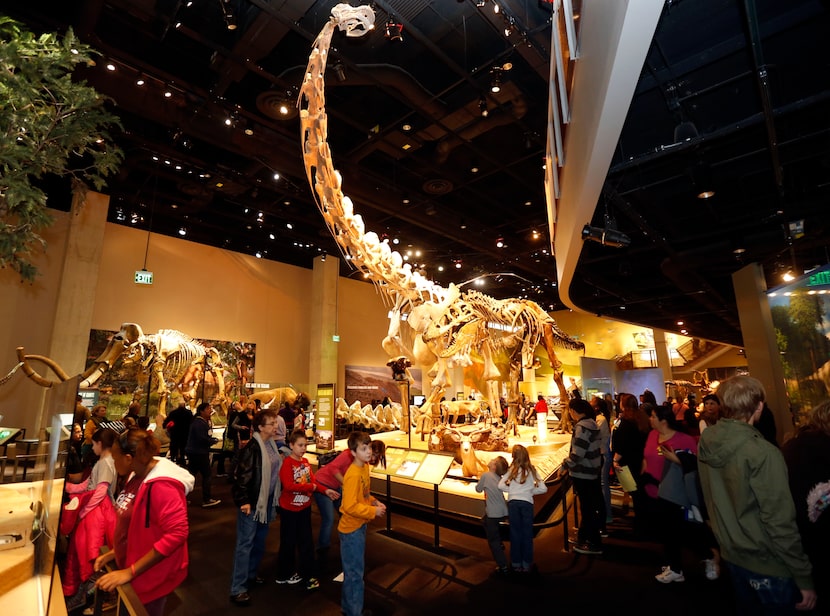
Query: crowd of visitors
<point>705,479</point>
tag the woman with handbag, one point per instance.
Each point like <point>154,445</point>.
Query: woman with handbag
<point>670,457</point>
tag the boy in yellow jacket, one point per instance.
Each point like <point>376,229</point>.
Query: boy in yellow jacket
<point>357,509</point>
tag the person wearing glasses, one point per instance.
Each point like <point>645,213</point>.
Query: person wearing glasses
<point>256,492</point>
<point>151,528</point>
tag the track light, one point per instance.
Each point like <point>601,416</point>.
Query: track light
<point>394,30</point>
<point>229,14</point>
<point>495,79</point>
<point>702,181</point>
<point>182,231</point>
<point>606,237</point>
<point>482,107</point>
<point>339,71</point>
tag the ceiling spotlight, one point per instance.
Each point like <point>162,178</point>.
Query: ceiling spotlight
<point>788,276</point>
<point>495,79</point>
<point>167,93</point>
<point>500,243</point>
<point>685,131</point>
<point>482,106</point>
<point>140,81</point>
<point>182,231</point>
<point>702,181</point>
<point>394,30</point>
<point>496,7</point>
<point>229,14</point>
<point>458,265</point>
<point>339,71</point>
<point>606,237</point>
<point>480,3</point>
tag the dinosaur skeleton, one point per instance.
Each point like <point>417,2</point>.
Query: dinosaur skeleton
<point>436,326</point>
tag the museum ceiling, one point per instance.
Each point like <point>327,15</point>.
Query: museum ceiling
<point>734,97</point>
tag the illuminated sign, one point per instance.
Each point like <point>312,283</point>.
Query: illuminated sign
<point>819,279</point>
<point>143,277</point>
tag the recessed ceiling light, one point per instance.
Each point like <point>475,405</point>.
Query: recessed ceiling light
<point>407,127</point>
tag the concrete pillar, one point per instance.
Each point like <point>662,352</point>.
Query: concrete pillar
<point>78,280</point>
<point>76,291</point>
<point>323,349</point>
<point>762,355</point>
<point>663,355</point>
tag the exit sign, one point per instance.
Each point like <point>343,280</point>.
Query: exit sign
<point>143,277</point>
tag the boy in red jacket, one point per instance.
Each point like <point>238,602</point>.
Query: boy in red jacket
<point>298,486</point>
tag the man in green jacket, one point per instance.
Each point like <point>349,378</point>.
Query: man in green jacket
<point>745,487</point>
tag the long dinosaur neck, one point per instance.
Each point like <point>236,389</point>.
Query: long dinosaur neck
<point>364,249</point>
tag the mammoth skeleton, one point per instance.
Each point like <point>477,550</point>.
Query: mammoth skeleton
<point>434,326</point>
<point>169,356</point>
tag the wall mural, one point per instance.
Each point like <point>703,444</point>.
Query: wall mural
<point>801,316</point>
<point>368,383</point>
<point>231,365</point>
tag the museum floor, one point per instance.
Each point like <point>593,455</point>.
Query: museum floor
<point>403,579</point>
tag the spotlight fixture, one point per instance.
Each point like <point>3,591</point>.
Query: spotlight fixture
<point>339,71</point>
<point>140,80</point>
<point>702,181</point>
<point>606,237</point>
<point>495,79</point>
<point>182,231</point>
<point>500,243</point>
<point>480,3</point>
<point>229,14</point>
<point>394,30</point>
<point>482,106</point>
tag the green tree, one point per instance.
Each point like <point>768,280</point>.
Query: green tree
<point>50,124</point>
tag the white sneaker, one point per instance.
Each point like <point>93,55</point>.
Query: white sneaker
<point>294,579</point>
<point>668,576</point>
<point>712,569</point>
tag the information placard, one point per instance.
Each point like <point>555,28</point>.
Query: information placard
<point>416,465</point>
<point>324,419</point>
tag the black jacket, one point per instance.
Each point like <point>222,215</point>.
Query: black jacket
<point>248,475</point>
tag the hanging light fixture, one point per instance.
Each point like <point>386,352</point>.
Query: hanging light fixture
<point>482,107</point>
<point>229,14</point>
<point>495,79</point>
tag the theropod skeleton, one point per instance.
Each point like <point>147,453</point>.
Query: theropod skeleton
<point>433,325</point>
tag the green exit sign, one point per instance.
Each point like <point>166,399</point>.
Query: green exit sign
<point>143,277</point>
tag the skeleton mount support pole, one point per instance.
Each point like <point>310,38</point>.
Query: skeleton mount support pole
<point>403,385</point>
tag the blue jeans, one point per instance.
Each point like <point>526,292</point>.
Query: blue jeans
<point>327,508</point>
<point>605,480</point>
<point>756,593</point>
<point>352,557</point>
<point>521,534</point>
<point>250,547</point>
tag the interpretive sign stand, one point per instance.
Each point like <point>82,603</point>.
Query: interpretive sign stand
<point>418,466</point>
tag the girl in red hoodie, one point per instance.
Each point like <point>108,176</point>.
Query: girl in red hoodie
<point>151,527</point>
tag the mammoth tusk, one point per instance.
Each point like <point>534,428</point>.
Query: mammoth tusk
<point>32,373</point>
<point>92,374</point>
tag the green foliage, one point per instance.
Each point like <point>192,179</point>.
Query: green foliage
<point>49,125</point>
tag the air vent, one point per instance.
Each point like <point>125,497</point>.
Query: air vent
<point>277,105</point>
<point>437,187</point>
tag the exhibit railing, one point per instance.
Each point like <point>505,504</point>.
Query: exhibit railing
<point>29,467</point>
<point>127,601</point>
